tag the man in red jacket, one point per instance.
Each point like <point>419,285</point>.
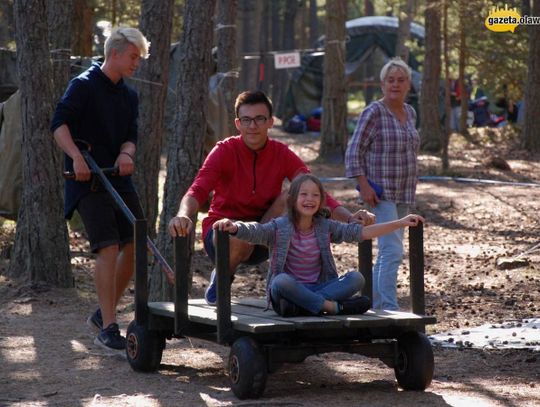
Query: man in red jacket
<point>246,173</point>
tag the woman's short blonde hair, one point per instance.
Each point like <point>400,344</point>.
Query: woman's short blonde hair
<point>121,37</point>
<point>396,63</point>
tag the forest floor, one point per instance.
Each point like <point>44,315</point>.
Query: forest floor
<point>48,358</point>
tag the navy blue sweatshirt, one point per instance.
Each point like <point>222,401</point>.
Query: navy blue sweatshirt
<point>103,114</point>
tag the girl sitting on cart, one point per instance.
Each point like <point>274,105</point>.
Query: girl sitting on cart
<point>302,276</point>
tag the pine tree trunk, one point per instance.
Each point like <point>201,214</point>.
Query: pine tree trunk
<point>250,13</point>
<point>463,21</point>
<point>430,126</point>
<point>369,66</point>
<point>156,25</point>
<point>334,116</point>
<point>275,13</point>
<point>41,251</point>
<point>445,133</point>
<point>404,29</point>
<point>531,128</point>
<point>227,61</point>
<point>288,42</point>
<point>60,19</point>
<point>313,23</point>
<point>185,147</point>
<point>264,40</point>
<point>82,23</point>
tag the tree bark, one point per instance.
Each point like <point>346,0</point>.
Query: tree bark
<point>334,116</point>
<point>156,24</point>
<point>463,21</point>
<point>313,23</point>
<point>430,127</point>
<point>185,147</point>
<point>250,14</point>
<point>60,21</point>
<point>82,24</point>
<point>227,61</point>
<point>302,26</point>
<point>369,66</point>
<point>275,12</point>
<point>41,250</point>
<point>288,42</point>
<point>445,133</point>
<point>406,14</point>
<point>264,40</point>
<point>531,126</point>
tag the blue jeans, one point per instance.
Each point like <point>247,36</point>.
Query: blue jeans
<point>311,296</point>
<point>389,257</point>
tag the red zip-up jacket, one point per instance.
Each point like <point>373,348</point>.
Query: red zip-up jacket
<point>245,182</point>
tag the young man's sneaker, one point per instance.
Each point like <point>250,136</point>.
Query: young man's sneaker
<point>110,338</point>
<point>95,321</point>
<point>354,305</point>
<point>210,295</point>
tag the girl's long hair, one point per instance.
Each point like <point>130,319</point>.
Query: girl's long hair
<point>294,190</point>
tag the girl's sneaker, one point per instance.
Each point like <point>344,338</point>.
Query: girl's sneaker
<point>354,305</point>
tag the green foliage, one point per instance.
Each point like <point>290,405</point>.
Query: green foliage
<point>496,59</point>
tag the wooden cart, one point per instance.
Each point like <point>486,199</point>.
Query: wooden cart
<point>261,340</point>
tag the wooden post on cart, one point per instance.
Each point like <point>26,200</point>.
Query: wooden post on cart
<point>224,324</point>
<point>141,272</point>
<point>181,285</point>
<point>416,265</point>
<point>365,264</point>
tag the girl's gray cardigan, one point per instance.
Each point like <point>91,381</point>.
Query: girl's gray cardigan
<point>277,233</point>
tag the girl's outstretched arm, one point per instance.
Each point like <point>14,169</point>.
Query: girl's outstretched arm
<point>371,231</point>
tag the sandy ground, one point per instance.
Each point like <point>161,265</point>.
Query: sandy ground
<point>47,355</point>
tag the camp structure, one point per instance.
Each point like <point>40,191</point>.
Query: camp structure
<point>370,42</point>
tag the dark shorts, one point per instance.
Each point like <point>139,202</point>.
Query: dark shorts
<point>259,254</point>
<point>105,224</point>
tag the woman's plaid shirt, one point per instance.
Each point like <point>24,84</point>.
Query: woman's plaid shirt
<point>385,151</point>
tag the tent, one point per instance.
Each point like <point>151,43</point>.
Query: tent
<point>368,38</point>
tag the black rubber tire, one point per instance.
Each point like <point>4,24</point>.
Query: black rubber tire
<point>144,348</point>
<point>414,364</point>
<point>247,369</point>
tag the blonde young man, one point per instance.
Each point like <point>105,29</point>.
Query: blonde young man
<point>101,110</point>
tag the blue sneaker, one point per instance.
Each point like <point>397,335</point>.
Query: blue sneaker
<point>95,321</point>
<point>110,338</point>
<point>210,295</point>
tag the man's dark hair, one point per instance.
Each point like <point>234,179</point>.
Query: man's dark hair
<point>252,98</point>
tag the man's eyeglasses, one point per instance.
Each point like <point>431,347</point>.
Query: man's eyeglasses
<point>246,121</point>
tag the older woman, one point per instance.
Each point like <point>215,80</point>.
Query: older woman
<point>381,155</point>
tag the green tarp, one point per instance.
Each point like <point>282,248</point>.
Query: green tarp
<point>365,36</point>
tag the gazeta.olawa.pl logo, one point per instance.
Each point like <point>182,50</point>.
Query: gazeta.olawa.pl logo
<point>507,19</point>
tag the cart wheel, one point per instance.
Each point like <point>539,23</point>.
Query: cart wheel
<point>247,369</point>
<point>144,348</point>
<point>414,362</point>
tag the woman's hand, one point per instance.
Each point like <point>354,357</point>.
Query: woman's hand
<point>225,225</point>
